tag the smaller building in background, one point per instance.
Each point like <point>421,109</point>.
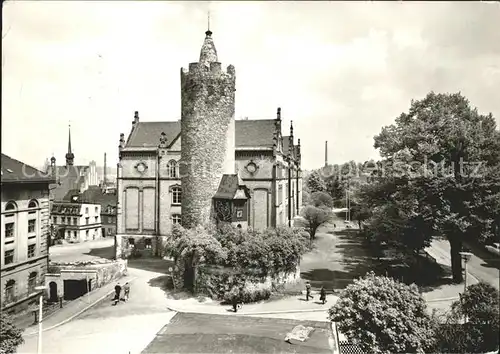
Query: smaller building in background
<point>25,228</point>
<point>77,222</point>
<point>105,198</point>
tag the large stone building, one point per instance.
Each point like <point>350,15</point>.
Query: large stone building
<point>207,164</point>
<point>25,222</point>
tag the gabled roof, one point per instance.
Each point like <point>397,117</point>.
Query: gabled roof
<point>147,134</point>
<point>229,185</point>
<point>95,195</point>
<point>249,133</point>
<point>66,208</point>
<point>14,171</point>
<point>259,132</point>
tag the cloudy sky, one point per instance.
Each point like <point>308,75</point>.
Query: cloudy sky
<point>340,71</point>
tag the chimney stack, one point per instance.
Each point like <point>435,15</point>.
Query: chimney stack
<point>105,168</point>
<point>326,153</point>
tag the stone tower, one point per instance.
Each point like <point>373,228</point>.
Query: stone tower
<point>207,132</point>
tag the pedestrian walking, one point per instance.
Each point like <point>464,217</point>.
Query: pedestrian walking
<point>322,295</point>
<point>308,291</point>
<point>118,290</point>
<point>126,291</point>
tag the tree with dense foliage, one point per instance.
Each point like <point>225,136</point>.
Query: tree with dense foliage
<point>193,247</point>
<point>10,335</point>
<point>315,217</point>
<point>315,183</point>
<point>321,199</point>
<point>480,303</point>
<point>447,154</point>
<point>381,315</point>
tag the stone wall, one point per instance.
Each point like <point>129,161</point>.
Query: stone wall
<point>140,248</point>
<point>207,127</point>
<point>214,281</point>
<point>99,272</point>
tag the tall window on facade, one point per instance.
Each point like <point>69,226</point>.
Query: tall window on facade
<point>96,219</point>
<point>176,195</point>
<point>75,221</point>
<point>176,218</point>
<point>87,220</point>
<point>172,169</point>
<point>74,234</point>
<point>147,243</point>
<point>10,291</point>
<point>8,257</point>
<point>131,242</point>
<point>10,220</point>
<point>63,220</point>
<point>96,210</point>
<point>32,282</point>
<point>87,234</point>
<point>31,251</point>
<point>55,220</point>
<point>86,210</point>
<point>31,226</point>
<point>9,230</point>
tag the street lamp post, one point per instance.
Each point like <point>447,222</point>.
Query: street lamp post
<point>40,288</point>
<point>466,256</point>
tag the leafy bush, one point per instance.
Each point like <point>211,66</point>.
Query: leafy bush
<point>480,303</point>
<point>10,335</point>
<point>381,315</point>
<point>233,257</point>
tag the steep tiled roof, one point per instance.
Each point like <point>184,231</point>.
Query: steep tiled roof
<point>248,133</point>
<point>14,171</point>
<point>95,195</point>
<point>147,134</point>
<point>255,132</point>
<point>228,186</point>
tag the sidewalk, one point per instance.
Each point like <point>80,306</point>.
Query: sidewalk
<point>292,304</point>
<point>76,307</point>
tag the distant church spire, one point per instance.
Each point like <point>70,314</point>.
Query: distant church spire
<point>69,155</point>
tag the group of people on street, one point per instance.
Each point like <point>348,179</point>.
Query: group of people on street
<point>322,293</point>
<point>118,293</point>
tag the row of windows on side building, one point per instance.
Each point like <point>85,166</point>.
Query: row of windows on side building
<point>10,288</point>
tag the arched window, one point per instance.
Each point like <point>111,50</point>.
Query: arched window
<point>176,195</point>
<point>10,221</point>
<point>10,291</point>
<point>11,206</point>
<point>32,280</point>
<point>172,169</point>
<point>32,218</point>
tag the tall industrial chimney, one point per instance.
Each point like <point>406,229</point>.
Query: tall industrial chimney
<point>104,182</point>
<point>326,153</point>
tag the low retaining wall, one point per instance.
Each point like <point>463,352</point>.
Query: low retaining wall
<point>215,281</point>
<point>95,273</point>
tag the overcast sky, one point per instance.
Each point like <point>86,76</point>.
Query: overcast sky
<point>340,71</point>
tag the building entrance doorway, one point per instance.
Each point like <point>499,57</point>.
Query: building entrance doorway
<point>53,297</point>
<point>73,289</point>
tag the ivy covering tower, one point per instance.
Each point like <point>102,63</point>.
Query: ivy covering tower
<point>208,132</point>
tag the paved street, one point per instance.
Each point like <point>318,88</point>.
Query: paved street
<point>71,252</point>
<point>202,333</point>
<point>477,268</point>
<point>125,328</point>
<point>337,258</point>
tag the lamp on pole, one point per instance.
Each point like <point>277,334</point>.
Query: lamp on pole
<point>41,289</point>
<point>466,256</point>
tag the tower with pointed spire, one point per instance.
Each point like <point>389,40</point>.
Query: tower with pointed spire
<point>70,157</point>
<point>207,132</point>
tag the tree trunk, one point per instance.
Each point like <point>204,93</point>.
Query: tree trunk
<point>456,260</point>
